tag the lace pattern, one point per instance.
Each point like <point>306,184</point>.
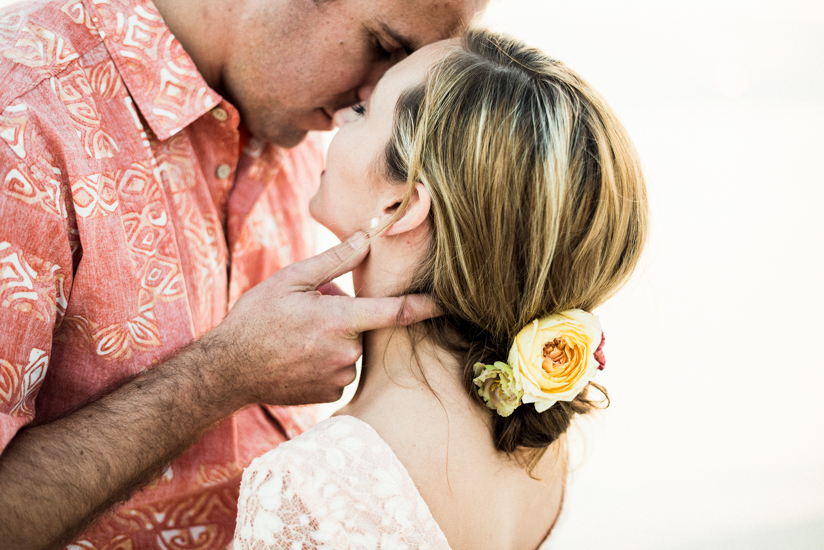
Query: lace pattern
<point>337,486</point>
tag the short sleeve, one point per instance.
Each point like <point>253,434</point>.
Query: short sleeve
<point>35,266</point>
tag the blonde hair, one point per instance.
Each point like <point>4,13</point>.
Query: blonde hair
<point>538,204</point>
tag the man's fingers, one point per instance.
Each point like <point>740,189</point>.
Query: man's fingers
<point>375,313</point>
<point>314,272</point>
<point>331,289</point>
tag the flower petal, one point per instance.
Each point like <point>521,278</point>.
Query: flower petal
<point>562,381</point>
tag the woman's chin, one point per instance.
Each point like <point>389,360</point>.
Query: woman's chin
<point>322,221</point>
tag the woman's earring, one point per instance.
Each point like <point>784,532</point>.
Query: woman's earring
<point>373,223</point>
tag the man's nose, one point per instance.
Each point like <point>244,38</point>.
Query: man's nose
<point>365,91</point>
<point>343,116</point>
<point>376,71</point>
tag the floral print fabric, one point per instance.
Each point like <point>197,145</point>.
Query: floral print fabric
<point>135,211</point>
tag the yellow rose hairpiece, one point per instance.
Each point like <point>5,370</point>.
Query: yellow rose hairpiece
<point>551,360</point>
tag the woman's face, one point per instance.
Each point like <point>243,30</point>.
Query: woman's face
<point>353,189</point>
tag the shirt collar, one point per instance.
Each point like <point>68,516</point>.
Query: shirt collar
<point>161,78</point>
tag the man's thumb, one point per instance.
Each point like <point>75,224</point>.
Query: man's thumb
<point>318,270</point>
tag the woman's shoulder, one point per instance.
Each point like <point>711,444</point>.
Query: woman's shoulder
<point>343,476</point>
<point>335,450</point>
<point>333,444</point>
<point>342,451</point>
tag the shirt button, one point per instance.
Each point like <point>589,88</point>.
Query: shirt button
<point>223,171</point>
<point>220,114</point>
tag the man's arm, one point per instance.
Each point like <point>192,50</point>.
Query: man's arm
<point>283,343</point>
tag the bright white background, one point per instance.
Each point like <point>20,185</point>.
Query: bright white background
<point>715,436</point>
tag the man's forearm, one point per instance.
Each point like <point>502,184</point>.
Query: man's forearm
<point>282,343</point>
<point>57,478</point>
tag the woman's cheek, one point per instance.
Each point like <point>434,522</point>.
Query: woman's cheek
<point>314,204</point>
<point>320,210</point>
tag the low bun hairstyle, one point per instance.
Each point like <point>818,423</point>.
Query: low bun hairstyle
<point>538,206</point>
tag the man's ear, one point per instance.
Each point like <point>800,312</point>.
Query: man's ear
<point>416,212</point>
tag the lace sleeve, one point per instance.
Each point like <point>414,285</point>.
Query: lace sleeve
<point>338,486</point>
<point>273,515</point>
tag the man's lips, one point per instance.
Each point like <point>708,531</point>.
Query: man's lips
<point>318,120</point>
<point>329,115</point>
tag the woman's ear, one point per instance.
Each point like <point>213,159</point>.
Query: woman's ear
<point>416,212</point>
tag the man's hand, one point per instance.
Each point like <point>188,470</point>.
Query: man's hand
<point>291,344</point>
<point>284,343</point>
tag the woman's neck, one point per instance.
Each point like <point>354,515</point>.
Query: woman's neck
<point>395,371</point>
<point>412,393</point>
<point>391,364</point>
<point>416,393</point>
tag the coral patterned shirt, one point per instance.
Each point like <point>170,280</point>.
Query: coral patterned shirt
<point>134,214</point>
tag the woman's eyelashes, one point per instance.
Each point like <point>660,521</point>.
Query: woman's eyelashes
<point>359,108</point>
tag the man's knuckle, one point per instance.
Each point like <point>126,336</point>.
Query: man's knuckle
<point>345,318</point>
<point>403,315</point>
<point>333,257</point>
<point>285,273</point>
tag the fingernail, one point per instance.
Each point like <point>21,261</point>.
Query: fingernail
<point>358,240</point>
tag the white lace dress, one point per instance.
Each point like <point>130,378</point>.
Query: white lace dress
<point>338,486</point>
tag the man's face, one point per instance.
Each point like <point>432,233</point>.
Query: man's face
<point>295,62</point>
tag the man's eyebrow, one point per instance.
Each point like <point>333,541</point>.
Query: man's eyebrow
<point>405,42</point>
